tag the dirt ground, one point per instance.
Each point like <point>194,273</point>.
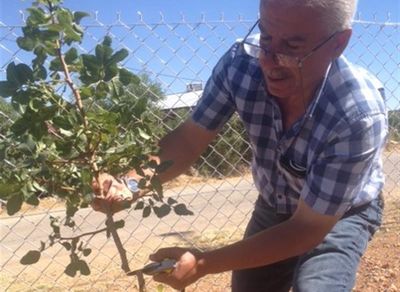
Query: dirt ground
<point>380,267</point>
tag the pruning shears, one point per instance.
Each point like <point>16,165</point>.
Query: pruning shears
<point>165,266</point>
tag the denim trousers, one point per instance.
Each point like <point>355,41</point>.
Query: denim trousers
<point>329,267</point>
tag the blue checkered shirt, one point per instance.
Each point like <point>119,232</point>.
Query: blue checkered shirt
<point>330,157</point>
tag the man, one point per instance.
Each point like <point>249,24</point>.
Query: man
<point>317,126</point>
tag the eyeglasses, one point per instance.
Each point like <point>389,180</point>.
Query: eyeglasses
<point>255,50</point>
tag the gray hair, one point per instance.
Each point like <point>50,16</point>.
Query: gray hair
<point>337,13</point>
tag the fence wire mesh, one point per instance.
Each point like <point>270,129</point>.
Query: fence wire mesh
<point>178,56</point>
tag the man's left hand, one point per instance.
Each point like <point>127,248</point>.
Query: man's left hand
<point>111,194</point>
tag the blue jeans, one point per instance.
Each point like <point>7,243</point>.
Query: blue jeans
<point>330,267</point>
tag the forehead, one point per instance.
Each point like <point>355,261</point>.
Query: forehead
<point>294,21</point>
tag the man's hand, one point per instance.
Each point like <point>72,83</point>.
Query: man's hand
<point>187,270</point>
<point>111,194</point>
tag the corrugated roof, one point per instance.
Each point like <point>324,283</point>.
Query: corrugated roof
<point>181,100</point>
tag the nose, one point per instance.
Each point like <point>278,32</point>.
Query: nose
<point>268,59</point>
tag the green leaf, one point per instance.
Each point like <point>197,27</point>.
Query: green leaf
<point>102,89</point>
<point>110,72</point>
<point>33,200</point>
<point>7,88</point>
<point>99,52</point>
<point>37,16</point>
<point>78,15</point>
<point>24,73</point>
<point>62,122</point>
<point>19,74</point>
<point>8,188</point>
<point>86,92</point>
<point>78,29</point>
<point>40,73</point>
<point>83,268</point>
<point>182,210</point>
<point>64,17</point>
<point>35,104</point>
<point>55,65</point>
<point>19,127</point>
<point>162,211</point>
<point>55,27</point>
<point>71,55</point>
<point>126,77</point>
<point>107,41</point>
<point>86,176</point>
<point>66,133</point>
<point>26,43</point>
<point>90,62</point>
<point>41,56</point>
<point>73,34</point>
<point>49,36</point>
<point>14,204</point>
<point>31,257</point>
<point>143,134</point>
<point>118,56</point>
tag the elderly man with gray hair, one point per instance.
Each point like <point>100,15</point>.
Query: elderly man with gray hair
<point>317,125</point>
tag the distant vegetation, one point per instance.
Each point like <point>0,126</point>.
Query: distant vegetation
<point>394,125</point>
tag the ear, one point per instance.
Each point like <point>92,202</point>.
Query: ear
<point>342,39</point>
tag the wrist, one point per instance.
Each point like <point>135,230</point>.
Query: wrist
<point>201,263</point>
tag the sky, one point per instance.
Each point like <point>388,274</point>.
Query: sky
<point>151,11</point>
<point>172,9</point>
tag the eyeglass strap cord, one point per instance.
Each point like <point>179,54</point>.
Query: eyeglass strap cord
<point>311,110</point>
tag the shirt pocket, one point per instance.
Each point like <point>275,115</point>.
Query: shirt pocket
<point>293,172</point>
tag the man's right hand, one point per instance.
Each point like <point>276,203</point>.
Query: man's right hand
<point>111,194</point>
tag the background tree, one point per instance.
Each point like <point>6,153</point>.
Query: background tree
<point>7,115</point>
<point>394,125</point>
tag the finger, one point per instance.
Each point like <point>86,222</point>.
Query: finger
<point>107,183</point>
<point>95,187</point>
<point>162,278</point>
<point>111,191</point>
<point>170,280</point>
<point>97,205</point>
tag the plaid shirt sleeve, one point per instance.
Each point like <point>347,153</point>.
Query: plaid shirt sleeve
<point>338,173</point>
<point>216,105</point>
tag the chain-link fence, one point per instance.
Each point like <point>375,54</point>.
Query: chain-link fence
<point>178,57</point>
